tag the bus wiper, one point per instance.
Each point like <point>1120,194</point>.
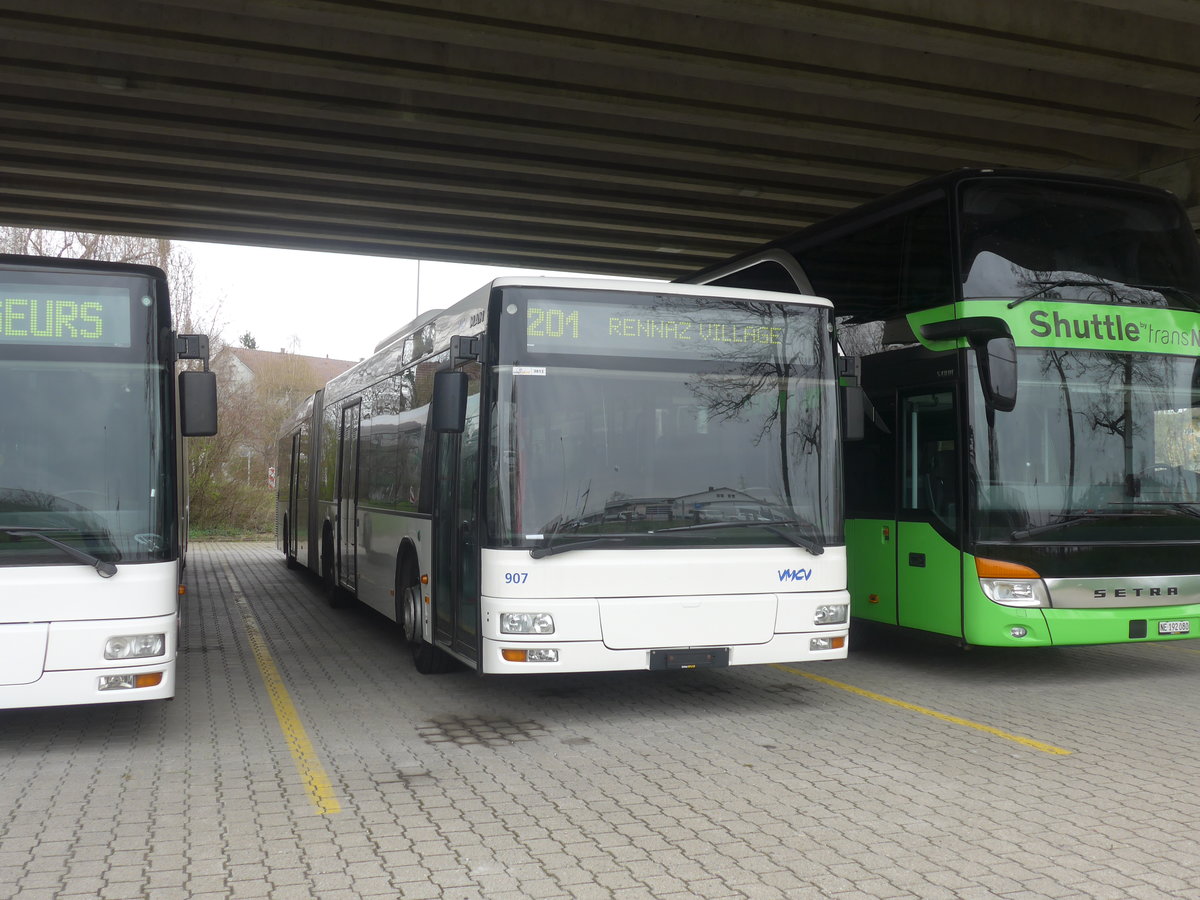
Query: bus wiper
<point>550,549</point>
<point>1062,282</point>
<point>806,542</point>
<point>103,569</point>
<point>1064,522</point>
<point>1067,521</point>
<point>1191,509</point>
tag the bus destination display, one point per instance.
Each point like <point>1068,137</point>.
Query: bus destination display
<point>676,327</point>
<point>64,316</point>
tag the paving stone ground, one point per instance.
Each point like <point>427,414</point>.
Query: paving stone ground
<point>754,783</point>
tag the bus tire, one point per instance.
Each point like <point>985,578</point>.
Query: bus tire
<point>429,660</point>
<point>288,559</point>
<point>408,594</point>
<point>410,606</point>
<point>334,595</point>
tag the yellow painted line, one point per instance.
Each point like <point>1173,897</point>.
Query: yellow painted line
<point>925,711</point>
<point>1174,645</point>
<point>304,755</point>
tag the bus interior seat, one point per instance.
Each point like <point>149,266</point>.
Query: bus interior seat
<point>938,484</point>
<point>1002,508</point>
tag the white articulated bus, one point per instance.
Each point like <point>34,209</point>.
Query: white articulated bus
<point>575,475</point>
<point>92,524</point>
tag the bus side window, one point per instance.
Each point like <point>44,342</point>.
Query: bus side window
<point>930,456</point>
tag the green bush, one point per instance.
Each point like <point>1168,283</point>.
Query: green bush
<point>230,508</point>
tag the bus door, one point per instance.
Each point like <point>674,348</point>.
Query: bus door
<point>347,505</point>
<point>293,499</point>
<point>456,540</point>
<point>928,554</point>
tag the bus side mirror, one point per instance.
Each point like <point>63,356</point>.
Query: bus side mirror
<point>449,414</point>
<point>853,398</point>
<point>197,404</point>
<point>998,368</point>
<point>854,413</point>
<point>995,352</point>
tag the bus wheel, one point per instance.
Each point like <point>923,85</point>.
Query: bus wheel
<point>429,660</point>
<point>409,607</point>
<point>288,559</point>
<point>334,595</point>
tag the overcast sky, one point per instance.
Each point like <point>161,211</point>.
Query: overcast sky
<point>323,304</point>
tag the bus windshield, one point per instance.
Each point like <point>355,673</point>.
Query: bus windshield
<point>82,460</point>
<point>1101,446</point>
<point>681,424</point>
<point>1058,240</point>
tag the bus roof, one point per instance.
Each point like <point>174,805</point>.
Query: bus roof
<point>652,287</point>
<point>911,196</point>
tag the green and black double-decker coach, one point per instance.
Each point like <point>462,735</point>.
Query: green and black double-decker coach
<point>1025,349</point>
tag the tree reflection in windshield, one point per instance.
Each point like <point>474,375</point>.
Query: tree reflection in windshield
<point>79,454</point>
<point>734,434</point>
<point>1092,431</point>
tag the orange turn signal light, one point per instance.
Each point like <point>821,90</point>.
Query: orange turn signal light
<point>511,655</point>
<point>995,568</point>
<point>150,679</point>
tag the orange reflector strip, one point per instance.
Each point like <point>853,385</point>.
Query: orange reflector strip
<point>514,655</point>
<point>995,568</point>
<point>152,679</point>
<point>182,589</point>
<point>424,579</point>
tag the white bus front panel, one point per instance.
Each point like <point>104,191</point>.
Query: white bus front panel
<point>63,618</point>
<point>618,609</point>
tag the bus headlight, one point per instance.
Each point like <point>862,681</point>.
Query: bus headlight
<point>135,646</point>
<point>1011,584</point>
<point>526,623</point>
<point>831,614</point>
<point>1016,592</point>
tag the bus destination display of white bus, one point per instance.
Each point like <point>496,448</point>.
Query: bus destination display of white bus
<point>94,316</point>
<point>669,327</point>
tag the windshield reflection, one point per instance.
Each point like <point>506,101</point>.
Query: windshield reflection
<point>80,459</point>
<point>733,449</point>
<point>1025,238</point>
<point>1100,446</point>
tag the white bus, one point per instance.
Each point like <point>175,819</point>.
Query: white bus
<point>91,503</point>
<point>577,475</point>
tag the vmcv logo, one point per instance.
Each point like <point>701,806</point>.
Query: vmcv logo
<point>795,574</point>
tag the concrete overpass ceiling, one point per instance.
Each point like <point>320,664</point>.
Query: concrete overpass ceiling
<point>649,137</point>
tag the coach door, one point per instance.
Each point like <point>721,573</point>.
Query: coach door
<point>929,559</point>
<point>347,515</point>
<point>293,499</point>
<point>456,542</point>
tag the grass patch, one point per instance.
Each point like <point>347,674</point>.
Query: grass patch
<point>229,534</point>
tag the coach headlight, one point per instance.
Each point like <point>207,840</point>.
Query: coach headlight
<point>135,646</point>
<point>526,623</point>
<point>1010,584</point>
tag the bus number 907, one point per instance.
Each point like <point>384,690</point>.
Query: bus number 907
<point>516,577</point>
